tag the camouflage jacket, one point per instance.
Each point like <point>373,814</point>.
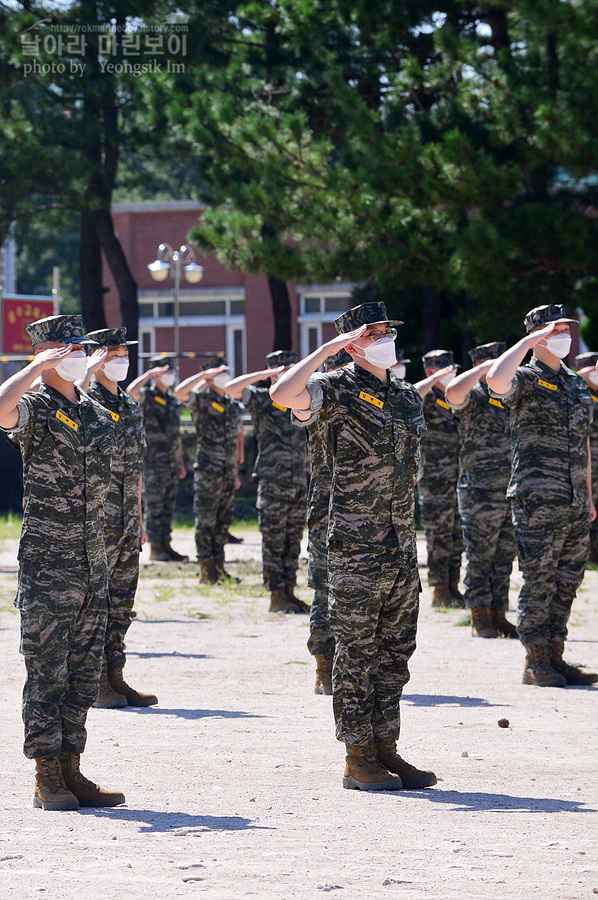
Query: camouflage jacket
<point>67,450</point>
<point>318,494</point>
<point>371,445</point>
<point>594,445</point>
<point>281,448</point>
<point>161,419</point>
<point>121,509</point>
<point>440,444</point>
<point>485,433</point>
<point>216,421</point>
<point>551,415</point>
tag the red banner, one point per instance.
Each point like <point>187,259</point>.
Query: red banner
<point>16,315</point>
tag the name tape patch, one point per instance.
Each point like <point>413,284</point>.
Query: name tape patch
<point>369,399</point>
<point>114,415</point>
<point>594,398</point>
<point>442,403</point>
<point>495,402</point>
<point>160,400</point>
<point>546,384</point>
<point>218,407</point>
<point>67,421</point>
<point>278,406</point>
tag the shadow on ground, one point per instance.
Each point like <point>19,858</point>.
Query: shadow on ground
<point>448,700</point>
<point>479,801</point>
<point>190,713</point>
<point>171,821</point>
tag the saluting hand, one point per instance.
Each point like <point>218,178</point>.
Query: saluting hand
<point>96,360</point>
<point>535,337</point>
<point>49,359</point>
<point>343,340</point>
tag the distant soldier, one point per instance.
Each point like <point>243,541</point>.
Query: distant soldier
<point>484,472</point>
<point>281,473</point>
<point>67,443</point>
<point>163,465</point>
<point>123,530</point>
<point>216,418</point>
<point>586,365</point>
<point>550,488</point>
<point>437,481</point>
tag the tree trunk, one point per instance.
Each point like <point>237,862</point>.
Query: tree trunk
<point>90,264</point>
<point>123,277</point>
<point>281,309</point>
<point>431,302</point>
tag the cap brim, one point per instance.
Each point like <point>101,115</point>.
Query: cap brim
<point>387,322</point>
<point>78,340</point>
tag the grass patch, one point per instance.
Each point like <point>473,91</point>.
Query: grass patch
<point>10,527</point>
<point>163,593</point>
<point>464,621</point>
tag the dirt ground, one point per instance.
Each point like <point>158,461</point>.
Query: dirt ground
<point>233,782</point>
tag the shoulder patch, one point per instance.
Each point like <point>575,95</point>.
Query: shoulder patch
<point>60,415</point>
<point>369,399</point>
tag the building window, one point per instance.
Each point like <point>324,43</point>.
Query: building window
<point>235,349</point>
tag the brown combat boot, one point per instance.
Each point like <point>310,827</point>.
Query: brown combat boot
<point>412,778</point>
<point>363,772</point>
<point>86,792</point>
<point>50,790</point>
<point>454,589</point>
<point>172,555</point>
<point>158,553</point>
<point>323,674</point>
<point>301,606</point>
<point>571,674</point>
<point>108,698</point>
<point>501,624</point>
<point>133,697</point>
<point>537,668</point>
<point>222,573</point>
<point>280,602</point>
<point>208,574</point>
<point>481,625</point>
<point>441,596</point>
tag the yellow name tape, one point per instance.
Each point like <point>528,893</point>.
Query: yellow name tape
<point>369,399</point>
<point>594,398</point>
<point>218,407</point>
<point>495,402</point>
<point>278,406</point>
<point>546,384</point>
<point>67,421</point>
<point>442,403</point>
<point>114,415</point>
<point>160,400</point>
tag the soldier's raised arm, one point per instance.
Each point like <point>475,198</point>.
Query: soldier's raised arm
<point>14,387</point>
<point>456,392</point>
<point>236,387</point>
<point>134,388</point>
<point>501,373</point>
<point>205,377</point>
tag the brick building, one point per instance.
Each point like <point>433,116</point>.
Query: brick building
<point>227,311</point>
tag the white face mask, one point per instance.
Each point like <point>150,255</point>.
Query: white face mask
<point>73,367</point>
<point>221,380</point>
<point>559,344</point>
<point>116,369</point>
<point>593,378</point>
<point>169,379</point>
<point>448,378</point>
<point>400,370</point>
<point>381,353</point>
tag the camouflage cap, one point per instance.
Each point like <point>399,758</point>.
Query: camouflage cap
<point>544,315</point>
<point>400,357</point>
<point>281,358</point>
<point>163,359</point>
<point>60,329</point>
<point>110,337</point>
<point>366,314</point>
<point>438,358</point>
<point>487,351</point>
<point>342,358</point>
<point>212,362</point>
<point>586,359</point>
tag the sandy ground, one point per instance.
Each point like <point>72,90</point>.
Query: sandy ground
<point>233,782</point>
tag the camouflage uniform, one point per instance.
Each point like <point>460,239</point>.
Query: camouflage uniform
<point>161,465</point>
<point>551,414</point>
<point>370,444</point>
<point>216,419</point>
<point>590,359</point>
<point>280,468</point>
<point>121,516</point>
<point>62,593</point>
<point>484,471</point>
<point>437,484</point>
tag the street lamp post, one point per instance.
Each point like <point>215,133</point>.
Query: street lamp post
<point>172,261</point>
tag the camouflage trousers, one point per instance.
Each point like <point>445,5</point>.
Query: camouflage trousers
<point>63,628</point>
<point>160,487</point>
<point>552,546</point>
<point>281,517</point>
<point>123,574</point>
<point>373,602</point>
<point>321,639</point>
<point>213,507</point>
<point>442,525</point>
<point>489,538</point>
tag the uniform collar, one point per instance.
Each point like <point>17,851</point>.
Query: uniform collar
<point>538,364</point>
<point>55,395</point>
<point>372,380</point>
<point>114,398</point>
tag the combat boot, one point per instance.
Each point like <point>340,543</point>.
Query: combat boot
<point>50,790</point>
<point>222,573</point>
<point>454,589</point>
<point>208,574</point>
<point>108,698</point>
<point>412,778</point>
<point>323,674</point>
<point>86,792</point>
<point>537,668</point>
<point>233,539</point>
<point>501,624</point>
<point>441,596</point>
<point>133,697</point>
<point>280,602</point>
<point>158,553</point>
<point>301,606</point>
<point>172,555</point>
<point>480,622</point>
<point>363,772</point>
<point>571,674</point>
